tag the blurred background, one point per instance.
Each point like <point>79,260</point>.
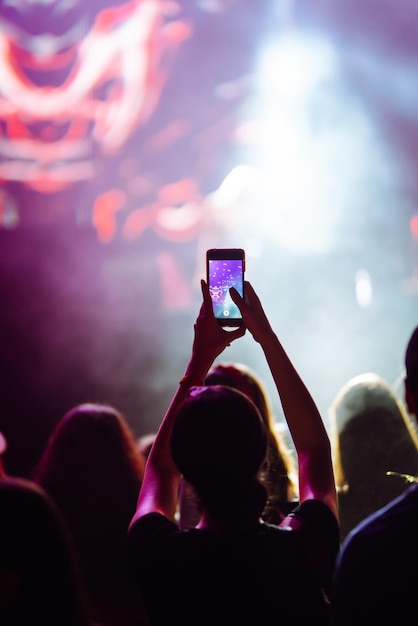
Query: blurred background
<point>135,135</point>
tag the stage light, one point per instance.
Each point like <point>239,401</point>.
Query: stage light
<point>364,289</point>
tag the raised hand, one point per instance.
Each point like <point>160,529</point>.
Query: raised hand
<point>252,312</point>
<point>210,337</point>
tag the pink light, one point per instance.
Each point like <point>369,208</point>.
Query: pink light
<point>414,226</point>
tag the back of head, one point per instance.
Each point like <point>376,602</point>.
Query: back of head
<point>38,572</point>
<point>411,366</point>
<point>279,472</point>
<point>93,470</point>
<point>91,454</point>
<point>370,436</point>
<point>219,442</point>
<point>241,377</point>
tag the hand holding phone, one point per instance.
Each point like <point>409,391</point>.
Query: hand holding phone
<point>225,269</point>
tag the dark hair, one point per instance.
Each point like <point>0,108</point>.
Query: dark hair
<point>36,550</point>
<point>92,442</point>
<point>219,443</point>
<point>93,471</point>
<point>279,472</point>
<point>411,363</point>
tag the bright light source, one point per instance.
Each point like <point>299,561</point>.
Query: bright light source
<point>316,146</point>
<point>238,179</point>
<point>364,289</point>
<point>295,65</point>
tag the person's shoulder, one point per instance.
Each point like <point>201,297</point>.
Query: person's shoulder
<point>398,511</point>
<point>152,523</point>
<point>316,524</point>
<point>312,515</point>
<point>395,521</point>
<point>153,537</point>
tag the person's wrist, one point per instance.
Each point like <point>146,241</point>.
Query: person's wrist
<point>195,373</point>
<point>191,380</point>
<point>266,337</point>
<point>200,362</point>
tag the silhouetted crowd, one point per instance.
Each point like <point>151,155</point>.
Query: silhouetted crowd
<point>214,520</point>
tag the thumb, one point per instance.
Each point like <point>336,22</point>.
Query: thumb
<point>235,334</point>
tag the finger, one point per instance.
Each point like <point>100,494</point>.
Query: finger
<point>249,290</point>
<point>250,295</point>
<point>205,293</point>
<point>235,334</point>
<point>235,295</point>
<point>239,300</point>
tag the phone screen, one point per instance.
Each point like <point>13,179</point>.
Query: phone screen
<point>223,273</point>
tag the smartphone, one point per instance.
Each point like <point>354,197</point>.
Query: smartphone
<point>225,268</point>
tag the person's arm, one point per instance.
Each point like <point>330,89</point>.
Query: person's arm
<point>159,489</point>
<point>316,476</point>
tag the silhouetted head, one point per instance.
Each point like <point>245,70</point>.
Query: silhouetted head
<point>92,449</point>
<point>93,471</point>
<point>219,443</point>
<point>279,473</point>
<point>371,435</point>
<point>39,581</point>
<point>241,377</point>
<point>411,367</point>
